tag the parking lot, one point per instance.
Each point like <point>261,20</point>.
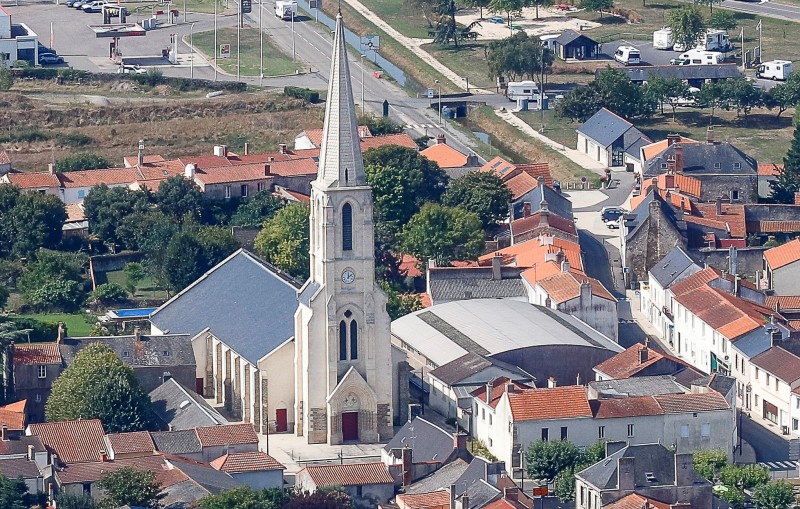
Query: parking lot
<point>650,55</point>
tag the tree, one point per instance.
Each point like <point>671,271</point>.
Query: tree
<point>4,295</point>
<point>612,89</point>
<point>379,126</point>
<point>134,274</point>
<point>54,281</point>
<point>722,20</point>
<point>480,4</point>
<point>743,478</point>
<point>545,459</point>
<point>108,294</point>
<point>779,495</point>
<point>184,260</point>
<point>687,25</point>
<point>245,497</point>
<point>519,56</point>
<point>710,4</point>
<point>30,221</point>
<point>106,208</point>
<point>446,28</point>
<point>597,5</point>
<point>98,385</point>
<point>483,193</point>
<point>400,304</point>
<point>79,162</point>
<point>787,182</point>
<point>667,90</point>
<point>740,94</point>
<point>565,485</point>
<point>544,3</point>
<point>14,494</point>
<point>509,7</point>
<point>6,77</point>
<point>442,233</point>
<point>255,210</point>
<point>710,96</point>
<point>151,233</point>
<point>284,240</point>
<point>784,95</point>
<point>325,498</point>
<point>129,486</point>
<point>178,197</point>
<point>68,500</point>
<point>708,463</point>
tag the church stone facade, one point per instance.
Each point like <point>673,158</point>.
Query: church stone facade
<point>343,359</point>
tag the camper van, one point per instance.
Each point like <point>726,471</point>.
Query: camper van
<point>627,55</point>
<point>549,41</point>
<point>714,40</point>
<point>286,9</point>
<point>522,90</point>
<point>775,70</point>
<point>699,57</point>
<point>662,39</point>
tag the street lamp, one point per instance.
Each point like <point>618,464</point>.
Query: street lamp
<point>261,43</point>
<point>191,51</point>
<point>466,78</point>
<point>293,54</point>
<point>184,11</point>
<point>216,48</point>
<point>437,82</point>
<point>362,85</point>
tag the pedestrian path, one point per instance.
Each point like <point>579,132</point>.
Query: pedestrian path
<point>779,465</point>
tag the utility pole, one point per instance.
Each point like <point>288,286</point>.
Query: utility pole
<point>191,51</point>
<point>238,40</point>
<point>362,85</point>
<point>293,53</point>
<point>184,11</point>
<point>261,42</point>
<point>216,48</point>
<point>437,82</point>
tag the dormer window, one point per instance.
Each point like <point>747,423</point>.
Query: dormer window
<point>717,166</point>
<point>737,166</point>
<point>167,353</point>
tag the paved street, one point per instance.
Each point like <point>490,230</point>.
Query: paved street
<point>768,445</point>
<point>771,9</point>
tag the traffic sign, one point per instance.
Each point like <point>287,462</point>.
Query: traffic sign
<point>370,42</point>
<point>224,51</point>
<point>430,93</point>
<point>247,6</point>
<point>540,491</point>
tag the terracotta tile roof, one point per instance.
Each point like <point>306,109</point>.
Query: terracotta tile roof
<point>298,197</point>
<point>534,252</point>
<point>781,363</point>
<point>13,415</point>
<point>33,180</point>
<point>547,269</point>
<point>236,173</point>
<point>499,387</point>
<point>637,406</point>
<point>425,299</point>
<point>93,471</point>
<point>409,265</point>
<point>401,140</point>
<point>226,434</point>
<point>628,363</point>
<point>350,474</point>
<point>521,184</point>
<point>90,178</point>
<point>36,353</point>
<point>769,169</point>
<point>684,183</point>
<point>783,302</point>
<point>783,255</point>
<point>773,226</point>
<point>557,403</point>
<point>656,148</point>
<point>204,161</point>
<point>532,222</point>
<point>131,161</point>
<point>445,156</point>
<point>695,281</point>
<point>691,402</point>
<point>239,462</point>
<point>732,215</point>
<point>132,443</point>
<point>637,200</point>
<point>73,441</point>
<point>567,286</point>
<point>504,503</point>
<point>75,212</point>
<point>729,315</point>
<point>4,159</point>
<point>425,500</point>
<point>291,167</point>
<point>636,501</point>
<point>315,135</point>
<point>267,157</point>
<point>506,170</point>
<point>794,324</point>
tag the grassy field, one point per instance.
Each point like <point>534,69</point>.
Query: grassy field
<point>275,62</point>
<point>76,323</point>
<point>204,6</point>
<point>409,20</point>
<point>146,289</point>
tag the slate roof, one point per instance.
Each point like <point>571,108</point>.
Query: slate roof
<point>177,442</point>
<point>73,441</point>
<point>783,255</point>
<point>245,302</point>
<point>19,445</point>
<point>456,283</point>
<point>669,268</point>
<point>353,474</point>
<point>637,386</point>
<point>605,127</point>
<point>557,203</point>
<point>240,462</point>
<point>12,468</point>
<point>471,366</point>
<point>683,72</point>
<point>428,442</point>
<point>781,363</point>
<point>204,475</point>
<point>569,36</point>
<point>481,493</point>
<point>701,159</point>
<point>181,408</point>
<point>445,476</point>
<point>168,350</point>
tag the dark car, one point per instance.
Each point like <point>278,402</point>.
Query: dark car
<point>611,215</point>
<point>50,59</point>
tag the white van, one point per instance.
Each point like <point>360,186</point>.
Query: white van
<point>662,39</point>
<point>700,57</point>
<point>775,70</point>
<point>522,90</point>
<point>627,55</point>
<point>286,9</point>
<point>714,40</point>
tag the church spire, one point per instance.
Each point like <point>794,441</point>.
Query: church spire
<point>340,161</point>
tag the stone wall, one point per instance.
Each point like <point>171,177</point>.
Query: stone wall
<point>748,259</point>
<point>715,186</point>
<point>651,243</point>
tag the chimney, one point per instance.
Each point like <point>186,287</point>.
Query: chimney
<point>488,392</point>
<point>625,474</point>
<point>54,460</point>
<point>670,165</point>
<point>31,453</point>
<point>540,182</point>
<point>644,354</point>
<point>551,382</point>
<point>137,333</point>
<point>565,265</point>
<point>103,456</point>
<point>465,501</point>
<point>246,149</point>
<point>560,257</point>
<point>737,285</point>
<point>460,442</point>
<point>266,169</point>
<point>578,379</point>
<point>432,263</point>
<point>510,493</point>
<point>140,154</point>
<point>497,267</point>
<point>510,387</point>
<point>221,150</point>
<point>710,135</point>
<point>684,470</point>
<point>678,158</point>
<point>526,209</point>
<point>544,215</point>
<point>4,433</point>
<point>282,148</point>
<point>673,138</point>
<point>718,204</point>
<point>189,170</point>
<point>51,168</point>
<point>441,139</point>
<point>62,332</point>
<point>408,465</point>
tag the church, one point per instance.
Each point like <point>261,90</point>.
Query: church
<point>315,360</point>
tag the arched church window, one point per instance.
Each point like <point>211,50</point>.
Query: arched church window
<point>347,227</point>
<point>342,341</point>
<point>354,340</point>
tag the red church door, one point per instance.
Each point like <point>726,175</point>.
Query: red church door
<point>281,424</point>
<point>349,426</point>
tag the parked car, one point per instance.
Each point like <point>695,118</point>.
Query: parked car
<point>95,6</point>
<point>71,3</point>
<point>627,55</point>
<point>50,59</point>
<point>79,4</point>
<point>611,215</point>
<point>131,69</point>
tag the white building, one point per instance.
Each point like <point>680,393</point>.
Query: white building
<point>655,299</point>
<point>770,395</point>
<point>17,41</point>
<point>782,268</point>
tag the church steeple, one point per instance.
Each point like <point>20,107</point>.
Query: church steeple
<point>340,161</point>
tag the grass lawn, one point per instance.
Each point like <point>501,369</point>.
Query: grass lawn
<point>205,6</point>
<point>275,62</point>
<point>146,289</point>
<point>407,19</point>
<point>76,323</point>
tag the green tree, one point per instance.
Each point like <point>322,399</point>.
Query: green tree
<point>597,5</point>
<point>481,192</point>
<point>544,3</point>
<point>710,4</point>
<point>687,25</point>
<point>565,485</point>
<point>565,480</point>
<point>68,500</point>
<point>545,459</point>
<point>98,385</point>
<point>129,486</point>
<point>784,95</point>
<point>740,94</point>
<point>134,274</point>
<point>184,261</point>
<point>151,233</point>
<point>30,221</point>
<point>84,161</point>
<point>779,495</point>
<point>106,208</point>
<point>325,498</point>
<point>722,20</point>
<point>708,463</point>
<point>245,497</point>
<point>508,7</point>
<point>710,96</point>
<point>54,281</point>
<point>6,77</point>
<point>743,478</point>
<point>255,210</point>
<point>519,56</point>
<point>480,4</point>
<point>446,28</point>
<point>442,233</point>
<point>379,126</point>
<point>787,182</point>
<point>14,494</point>
<point>109,294</point>
<point>218,243</point>
<point>400,304</point>
<point>177,198</point>
<point>284,240</point>
<point>612,89</point>
<point>4,295</point>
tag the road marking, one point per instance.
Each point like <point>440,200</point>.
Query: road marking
<point>779,465</point>
<point>420,127</point>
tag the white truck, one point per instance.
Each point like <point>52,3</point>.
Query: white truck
<point>775,70</point>
<point>662,39</point>
<point>286,9</point>
<point>522,90</point>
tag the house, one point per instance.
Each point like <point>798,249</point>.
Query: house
<point>367,484</point>
<point>611,140</point>
<point>178,408</point>
<point>672,268</point>
<point>772,392</point>
<point>452,161</point>
<point>767,173</point>
<point>13,417</point>
<point>5,162</point>
<point>782,268</point>
<point>572,45</point>
<point>531,196</point>
<point>312,138</point>
<point>33,369</point>
<point>542,223</point>
<point>650,151</point>
<point>640,360</point>
<point>646,475</point>
<point>537,252</point>
<point>507,170</point>
<point>133,444</point>
<point>17,41</point>
<point>446,284</point>
<point>693,75</point>
<point>22,456</point>
<point>439,499</point>
<point>178,443</point>
<point>224,439</point>
<point>256,469</point>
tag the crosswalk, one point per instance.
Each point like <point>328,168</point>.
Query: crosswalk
<point>419,127</point>
<point>780,465</point>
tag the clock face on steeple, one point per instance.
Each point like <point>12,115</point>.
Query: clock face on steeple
<point>348,276</point>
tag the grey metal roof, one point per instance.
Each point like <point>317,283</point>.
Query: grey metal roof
<point>479,469</point>
<point>570,36</point>
<point>180,408</point>
<point>720,383</point>
<point>670,268</point>
<point>632,149</point>
<point>177,442</point>
<point>440,479</point>
<point>473,369</point>
<point>474,283</point>
<point>245,302</point>
<point>705,159</point>
<point>149,350</point>
<point>637,386</point>
<point>682,72</point>
<point>492,326</point>
<point>605,127</point>
<point>635,218</point>
<point>427,441</point>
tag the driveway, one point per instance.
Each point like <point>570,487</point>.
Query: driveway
<point>650,55</point>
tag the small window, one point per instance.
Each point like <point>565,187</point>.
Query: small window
<point>734,195</point>
<point>126,354</point>
<point>717,166</point>
<point>705,429</point>
<point>347,227</point>
<point>38,398</point>
<point>664,166</point>
<point>260,186</point>
<point>794,424</point>
<point>483,414</point>
<point>563,432</point>
<point>245,190</point>
<point>87,488</point>
<point>490,419</point>
<point>545,434</point>
<point>42,371</point>
<point>166,353</point>
<point>630,430</point>
<point>601,432</point>
<point>490,442</point>
<point>768,379</point>
<point>81,194</point>
<point>684,431</point>
<point>756,373</point>
<point>227,191</point>
<point>737,166</point>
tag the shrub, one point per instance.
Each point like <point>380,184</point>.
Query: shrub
<point>73,139</point>
<point>85,161</point>
<point>37,73</point>
<point>72,74</point>
<point>27,135</point>
<point>302,93</point>
<point>108,294</point>
<point>38,331</point>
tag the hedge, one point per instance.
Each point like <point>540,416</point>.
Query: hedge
<point>302,93</point>
<point>40,332</point>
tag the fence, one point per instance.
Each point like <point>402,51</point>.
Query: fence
<point>616,36</point>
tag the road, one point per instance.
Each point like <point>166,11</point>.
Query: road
<point>770,9</point>
<point>768,445</point>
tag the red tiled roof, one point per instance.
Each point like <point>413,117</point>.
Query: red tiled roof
<point>637,406</point>
<point>298,197</point>
<point>532,222</point>
<point>729,315</point>
<point>132,443</point>
<point>93,471</point>
<point>769,169</point>
<point>291,167</point>
<point>33,180</point>
<point>504,503</point>
<point>499,387</point>
<point>628,363</point>
<point>506,170</point>
<point>226,434</point>
<point>696,280</point>
<point>401,140</point>
<point>267,157</point>
<point>783,255</point>
<point>773,226</point>
<point>4,159</point>
<point>781,363</point>
<point>73,441</point>
<point>239,462</point>
<point>315,135</point>
<point>90,178</point>
<point>567,286</point>
<point>553,403</point>
<point>13,415</point>
<point>353,474</point>
<point>36,353</point>
<point>445,156</point>
<point>425,500</point>
<point>691,402</point>
<point>204,161</point>
<point>75,212</point>
<point>636,501</point>
<point>684,183</point>
<point>235,173</point>
<point>783,302</point>
<point>521,184</point>
<point>732,216</point>
<point>131,161</point>
<point>656,148</point>
<point>409,265</point>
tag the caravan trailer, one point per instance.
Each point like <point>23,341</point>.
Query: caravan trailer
<point>775,70</point>
<point>522,90</point>
<point>714,40</point>
<point>662,39</point>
